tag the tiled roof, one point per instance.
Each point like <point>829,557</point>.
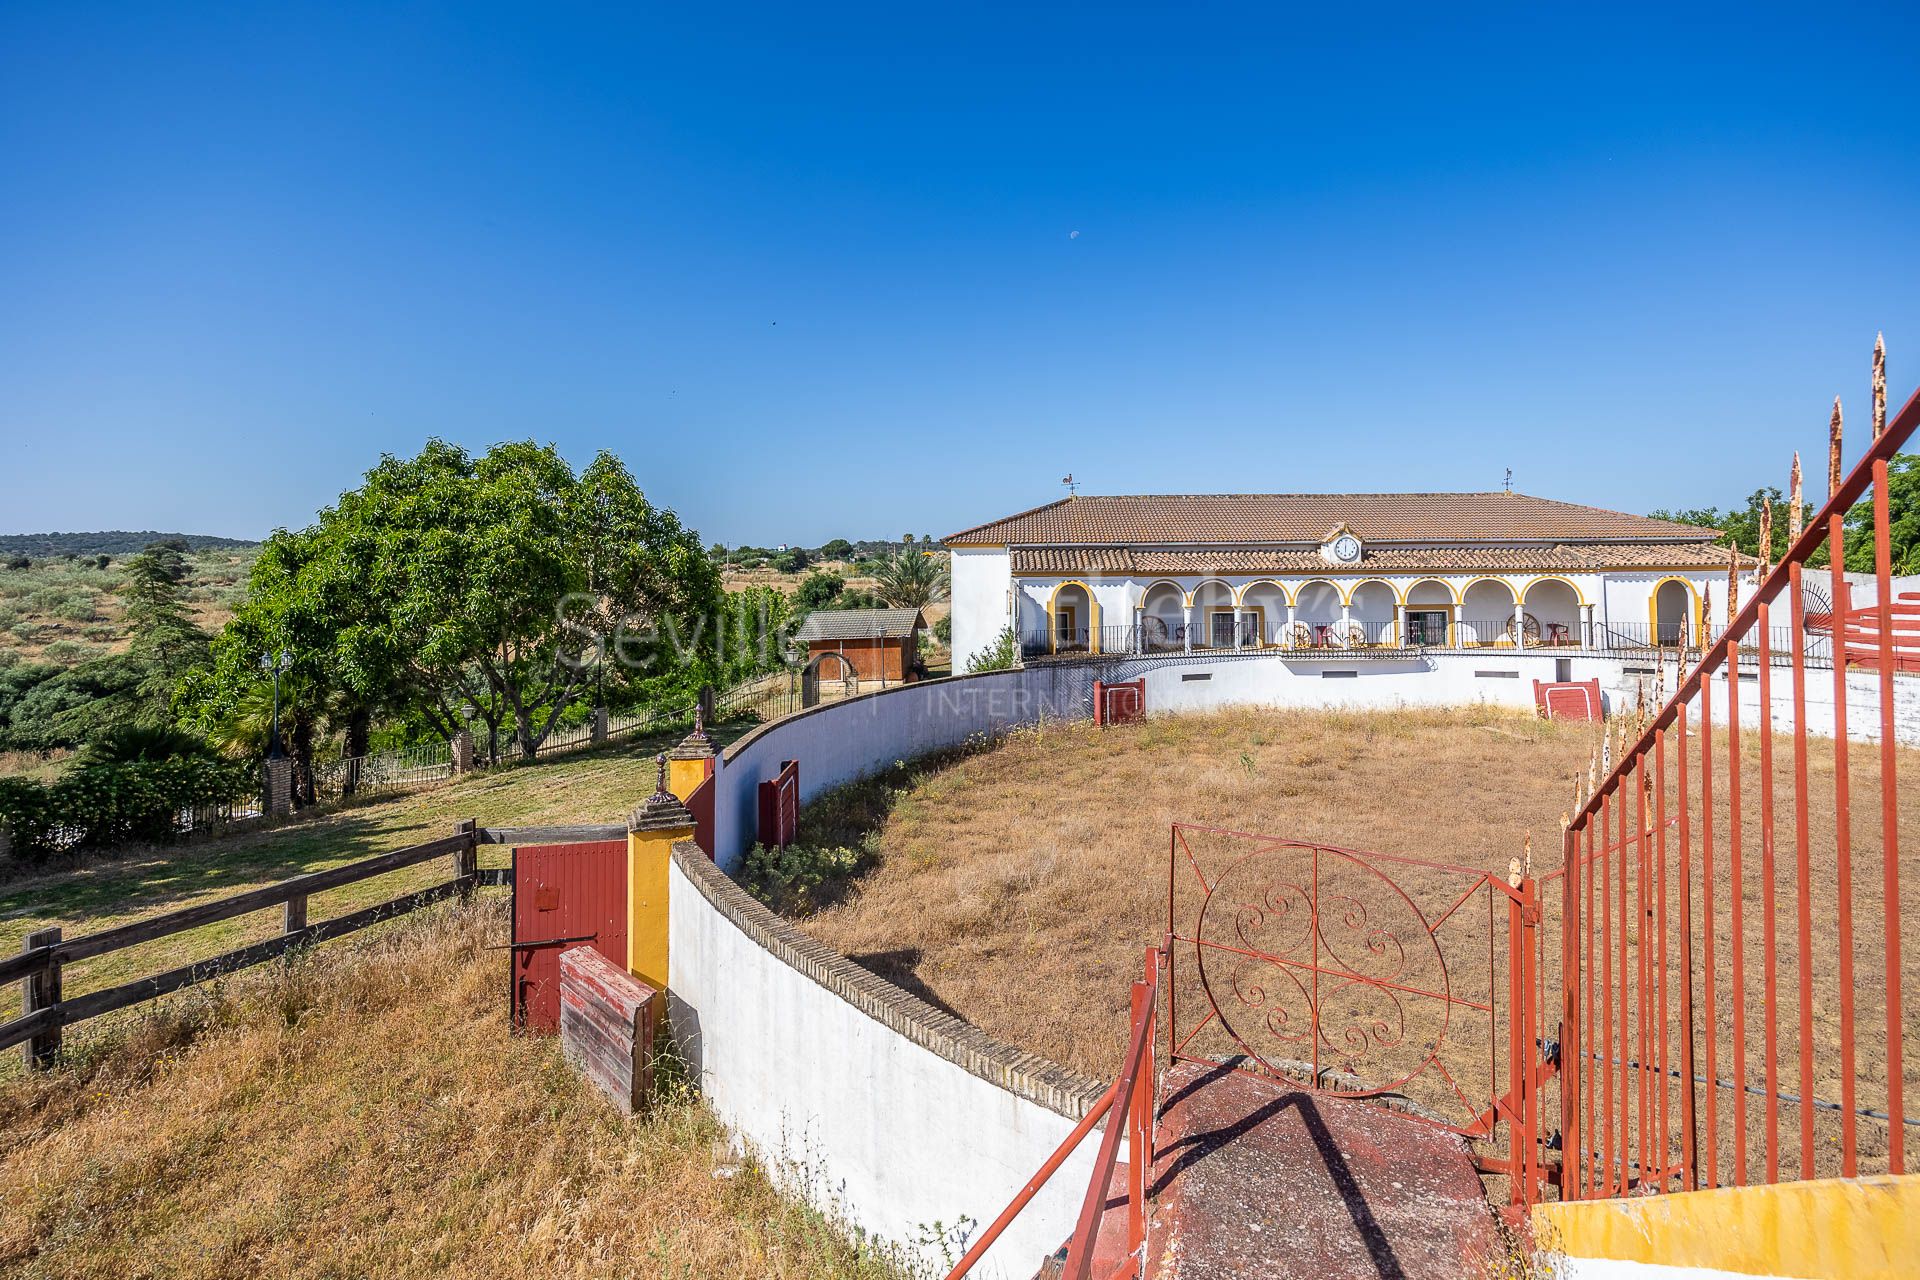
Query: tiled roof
<point>859,624</point>
<point>1561,557</point>
<point>1239,518</point>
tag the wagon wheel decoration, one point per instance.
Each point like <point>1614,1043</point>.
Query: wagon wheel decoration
<point>1350,636</point>
<point>1531,628</point>
<point>1312,958</point>
<point>1300,636</point>
<point>1153,632</point>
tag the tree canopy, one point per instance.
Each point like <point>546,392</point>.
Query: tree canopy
<point>499,590</point>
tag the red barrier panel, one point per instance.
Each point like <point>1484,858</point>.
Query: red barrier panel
<point>780,807</point>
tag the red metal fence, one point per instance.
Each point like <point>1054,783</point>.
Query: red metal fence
<point>1361,975</point>
<point>1724,1022</point>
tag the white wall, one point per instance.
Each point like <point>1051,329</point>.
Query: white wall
<point>841,741</point>
<point>981,578</point>
<point>847,1110</point>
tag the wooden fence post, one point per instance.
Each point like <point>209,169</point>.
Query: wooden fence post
<point>466,859</point>
<point>41,991</point>
<point>294,917</point>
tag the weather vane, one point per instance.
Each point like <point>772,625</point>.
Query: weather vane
<point>1067,480</point>
<point>1509,479</point>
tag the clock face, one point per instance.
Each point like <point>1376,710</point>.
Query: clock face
<point>1346,548</point>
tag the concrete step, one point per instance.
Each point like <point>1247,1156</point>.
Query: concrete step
<point>1254,1179</point>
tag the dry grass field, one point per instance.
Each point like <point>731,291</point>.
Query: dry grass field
<point>1018,886</point>
<point>364,1111</point>
<point>66,611</point>
<point>592,786</point>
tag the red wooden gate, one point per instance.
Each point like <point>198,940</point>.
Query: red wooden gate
<point>564,895</point>
<point>780,807</point>
<point>1119,703</point>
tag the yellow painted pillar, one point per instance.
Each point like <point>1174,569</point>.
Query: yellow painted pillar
<point>651,832</point>
<point>690,763</point>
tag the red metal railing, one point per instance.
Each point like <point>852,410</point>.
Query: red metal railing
<point>1687,972</point>
<point>1128,1104</point>
<point>1363,974</point>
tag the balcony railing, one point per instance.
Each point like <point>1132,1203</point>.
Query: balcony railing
<point>1163,637</point>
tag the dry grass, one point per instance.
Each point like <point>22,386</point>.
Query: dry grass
<point>1018,887</point>
<point>592,786</point>
<point>65,611</point>
<point>365,1112</point>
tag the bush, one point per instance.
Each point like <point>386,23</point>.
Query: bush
<point>101,806</point>
<point>788,880</point>
<point>943,630</point>
<point>998,656</point>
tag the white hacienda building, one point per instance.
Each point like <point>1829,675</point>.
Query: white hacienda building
<point>1333,577</point>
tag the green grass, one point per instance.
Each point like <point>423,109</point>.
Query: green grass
<point>588,787</point>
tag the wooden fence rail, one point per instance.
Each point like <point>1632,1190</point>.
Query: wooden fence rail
<point>45,952</point>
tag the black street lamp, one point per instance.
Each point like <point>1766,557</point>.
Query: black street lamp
<point>274,664</point>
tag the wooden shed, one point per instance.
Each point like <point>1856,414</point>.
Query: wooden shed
<point>871,644</point>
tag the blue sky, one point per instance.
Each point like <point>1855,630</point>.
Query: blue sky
<point>818,271</point>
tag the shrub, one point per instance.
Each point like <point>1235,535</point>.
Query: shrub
<point>788,880</point>
<point>101,806</point>
<point>998,656</point>
<point>943,630</point>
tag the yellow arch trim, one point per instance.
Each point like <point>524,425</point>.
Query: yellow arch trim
<point>1421,582</point>
<point>1488,577</point>
<point>1302,590</point>
<point>1141,603</point>
<point>1578,594</point>
<point>1194,594</point>
<point>1093,608</point>
<point>1398,598</point>
<point>1277,585</point>
<point>1694,628</point>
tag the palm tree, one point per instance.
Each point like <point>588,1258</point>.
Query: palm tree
<point>911,579</point>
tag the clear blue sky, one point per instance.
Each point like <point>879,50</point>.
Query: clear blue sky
<point>817,271</point>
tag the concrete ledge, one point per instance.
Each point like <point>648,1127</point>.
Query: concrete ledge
<point>1025,1075</point>
<point>1830,1229</point>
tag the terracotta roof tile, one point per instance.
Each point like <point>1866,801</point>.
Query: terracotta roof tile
<point>1306,518</point>
<point>1562,557</point>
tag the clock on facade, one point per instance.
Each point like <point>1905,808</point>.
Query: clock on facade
<point>1346,548</point>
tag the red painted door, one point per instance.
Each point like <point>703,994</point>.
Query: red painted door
<point>564,895</point>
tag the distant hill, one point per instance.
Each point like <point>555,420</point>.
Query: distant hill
<point>112,542</point>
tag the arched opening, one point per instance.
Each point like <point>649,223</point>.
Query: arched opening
<point>1316,616</point>
<point>1213,616</point>
<point>1552,613</point>
<point>1371,615</point>
<point>1163,618</point>
<point>1486,608</point>
<point>1674,611</point>
<point>1429,613</point>
<point>1073,618</point>
<point>1263,614</point>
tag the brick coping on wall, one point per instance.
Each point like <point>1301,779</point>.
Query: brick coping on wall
<point>1025,1075</point>
<point>747,739</point>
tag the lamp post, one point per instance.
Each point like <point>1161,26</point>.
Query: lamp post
<point>273,664</point>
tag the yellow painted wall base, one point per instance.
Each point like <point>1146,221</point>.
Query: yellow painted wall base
<point>1832,1229</point>
<point>649,853</point>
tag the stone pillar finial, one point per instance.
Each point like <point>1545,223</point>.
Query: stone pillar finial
<point>660,779</point>
<point>1766,536</point>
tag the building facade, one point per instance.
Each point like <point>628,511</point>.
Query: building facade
<point>866,644</point>
<point>1338,575</point>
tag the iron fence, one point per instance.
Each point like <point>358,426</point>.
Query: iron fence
<point>1723,1022</point>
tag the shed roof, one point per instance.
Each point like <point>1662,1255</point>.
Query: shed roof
<point>859,624</point>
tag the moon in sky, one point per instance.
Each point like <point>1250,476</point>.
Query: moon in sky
<point>1073,235</point>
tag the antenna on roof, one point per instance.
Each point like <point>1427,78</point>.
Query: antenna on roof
<point>1509,479</point>
<point>1072,488</point>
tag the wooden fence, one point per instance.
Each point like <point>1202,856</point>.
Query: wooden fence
<point>37,967</point>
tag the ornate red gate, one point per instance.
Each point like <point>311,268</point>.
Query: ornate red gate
<point>1363,975</point>
<point>564,895</point>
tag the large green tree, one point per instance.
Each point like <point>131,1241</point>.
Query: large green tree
<point>502,590</point>
<point>911,579</point>
<point>1740,526</point>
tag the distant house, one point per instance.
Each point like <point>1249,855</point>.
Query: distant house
<point>1321,575</point>
<point>870,644</point>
